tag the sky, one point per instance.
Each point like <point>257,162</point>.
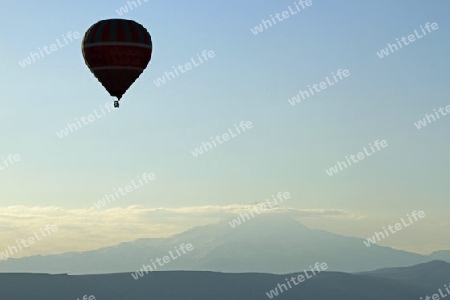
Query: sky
<point>250,78</point>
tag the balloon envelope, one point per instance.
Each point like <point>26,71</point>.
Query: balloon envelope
<point>117,51</point>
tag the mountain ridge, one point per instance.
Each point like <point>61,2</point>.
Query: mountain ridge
<point>265,244</point>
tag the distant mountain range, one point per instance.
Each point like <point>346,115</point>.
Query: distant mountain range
<point>387,284</point>
<point>269,243</point>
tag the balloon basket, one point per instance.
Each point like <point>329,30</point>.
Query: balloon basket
<point>116,103</point>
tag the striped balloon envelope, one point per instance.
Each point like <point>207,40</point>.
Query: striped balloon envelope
<point>117,51</point>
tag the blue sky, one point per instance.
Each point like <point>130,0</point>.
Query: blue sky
<point>250,78</point>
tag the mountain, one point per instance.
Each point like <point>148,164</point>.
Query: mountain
<point>438,273</point>
<point>388,284</point>
<point>441,255</point>
<point>271,243</point>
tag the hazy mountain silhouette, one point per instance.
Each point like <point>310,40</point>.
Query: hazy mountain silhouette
<point>438,273</point>
<point>441,255</point>
<point>269,243</point>
<point>390,284</point>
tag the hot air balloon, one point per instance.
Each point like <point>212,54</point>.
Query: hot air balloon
<point>117,51</point>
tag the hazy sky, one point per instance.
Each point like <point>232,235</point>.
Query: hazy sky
<point>251,79</point>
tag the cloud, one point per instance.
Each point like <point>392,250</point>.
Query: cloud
<point>90,228</point>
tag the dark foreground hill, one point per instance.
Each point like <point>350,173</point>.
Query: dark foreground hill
<point>389,284</point>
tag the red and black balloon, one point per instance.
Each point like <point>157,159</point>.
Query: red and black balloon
<point>117,51</point>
